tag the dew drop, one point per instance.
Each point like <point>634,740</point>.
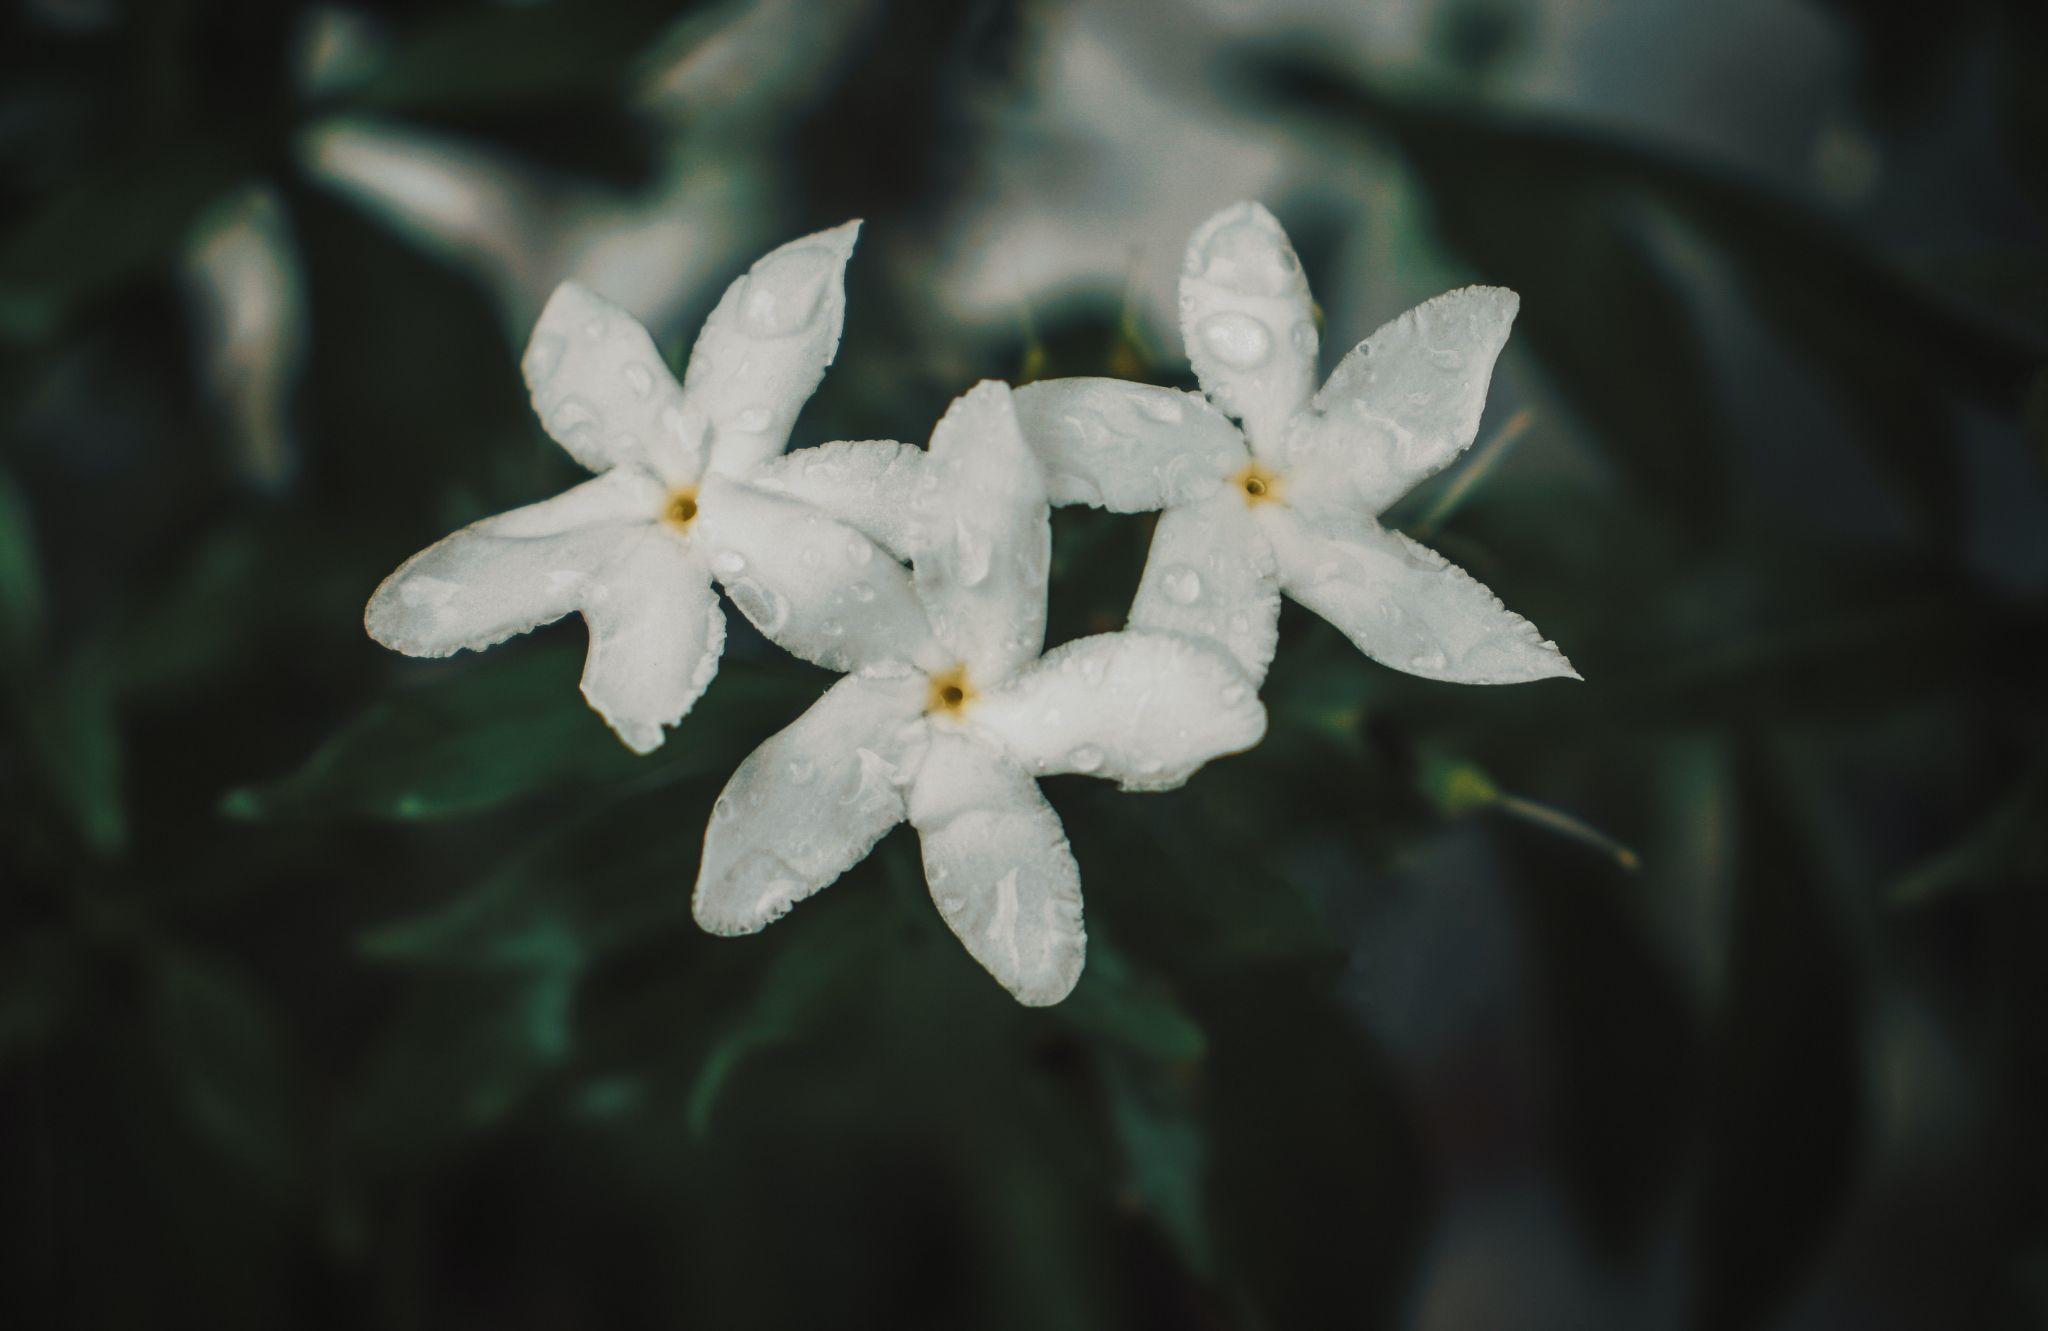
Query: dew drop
<point>1249,257</point>
<point>761,604</point>
<point>1182,584</point>
<point>543,357</point>
<point>1162,407</point>
<point>728,563</point>
<point>1238,340</point>
<point>859,552</point>
<point>572,415</point>
<point>1087,758</point>
<point>639,378</point>
<point>783,292</point>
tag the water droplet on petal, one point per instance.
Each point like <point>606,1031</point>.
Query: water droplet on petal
<point>1182,584</point>
<point>761,604</point>
<point>543,356</point>
<point>728,563</point>
<point>1087,758</point>
<point>859,552</point>
<point>754,419</point>
<point>784,290</point>
<point>1249,256</point>
<point>1161,407</point>
<point>974,552</point>
<point>639,378</point>
<point>1238,340</point>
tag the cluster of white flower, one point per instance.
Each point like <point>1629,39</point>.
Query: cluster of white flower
<point>921,574</point>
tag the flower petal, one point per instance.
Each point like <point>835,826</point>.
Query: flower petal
<point>1210,574</point>
<point>766,346</point>
<point>983,547</point>
<point>1248,322</point>
<point>603,392</point>
<point>806,806</point>
<point>656,633</point>
<point>510,573</point>
<point>1403,404</point>
<point>1142,709</point>
<point>1406,606</point>
<point>813,586</point>
<point>870,485</point>
<point>997,862</point>
<point>1126,447</point>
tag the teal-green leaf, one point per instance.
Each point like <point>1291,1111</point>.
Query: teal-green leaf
<point>481,734</point>
<point>230,1059</point>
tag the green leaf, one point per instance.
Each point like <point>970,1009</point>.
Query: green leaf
<point>21,578</point>
<point>482,734</point>
<point>68,715</point>
<point>466,1046</point>
<point>230,1059</point>
<point>817,969</point>
<point>1785,1100</point>
<point>36,976</point>
<point>120,219</point>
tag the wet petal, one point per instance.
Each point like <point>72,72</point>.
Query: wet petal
<point>1248,322</point>
<point>1140,708</point>
<point>766,346</point>
<point>1403,404</point>
<point>1126,447</point>
<point>815,587</point>
<point>1210,574</point>
<point>1406,606</point>
<point>806,806</point>
<point>870,485</point>
<point>656,633</point>
<point>510,573</point>
<point>983,546</point>
<point>1000,872</point>
<point>602,391</point>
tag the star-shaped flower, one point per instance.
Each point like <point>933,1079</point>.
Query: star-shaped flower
<point>1288,503</point>
<point>628,550</point>
<point>951,711</point>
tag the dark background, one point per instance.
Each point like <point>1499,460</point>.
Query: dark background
<point>338,989</point>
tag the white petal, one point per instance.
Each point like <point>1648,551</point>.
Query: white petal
<point>813,586</point>
<point>984,540</point>
<point>1248,322</point>
<point>1126,447</point>
<point>766,346</point>
<point>656,633</point>
<point>1403,404</point>
<point>870,485</point>
<point>1405,605</point>
<point>509,573</point>
<point>1140,708</point>
<point>603,392</point>
<point>806,806</point>
<point>1210,574</point>
<point>997,862</point>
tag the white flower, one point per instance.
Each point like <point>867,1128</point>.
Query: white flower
<point>630,550</point>
<point>951,711</point>
<point>1289,502</point>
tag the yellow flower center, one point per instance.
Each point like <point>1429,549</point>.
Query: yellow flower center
<point>950,692</point>
<point>681,510</point>
<point>1259,485</point>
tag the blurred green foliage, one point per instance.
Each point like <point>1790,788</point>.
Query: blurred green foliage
<point>337,989</point>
